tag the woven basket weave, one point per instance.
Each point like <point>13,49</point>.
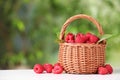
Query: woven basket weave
<point>81,58</point>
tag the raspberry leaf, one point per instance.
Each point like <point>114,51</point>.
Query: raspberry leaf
<point>58,40</point>
<point>106,36</point>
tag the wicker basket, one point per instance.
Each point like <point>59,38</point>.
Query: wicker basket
<point>81,58</point>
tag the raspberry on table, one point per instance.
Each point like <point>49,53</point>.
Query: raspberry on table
<point>38,68</point>
<point>102,70</point>
<point>57,69</point>
<point>109,68</point>
<point>48,68</point>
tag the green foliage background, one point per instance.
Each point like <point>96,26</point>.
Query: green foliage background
<point>29,28</point>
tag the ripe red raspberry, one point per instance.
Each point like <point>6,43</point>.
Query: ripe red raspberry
<point>71,41</point>
<point>38,68</point>
<point>80,38</point>
<point>88,35</point>
<point>48,68</point>
<point>109,68</point>
<point>102,70</point>
<point>94,39</point>
<point>91,38</point>
<point>57,69</point>
<point>69,38</point>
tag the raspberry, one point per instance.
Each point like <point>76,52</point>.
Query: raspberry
<point>102,70</point>
<point>38,68</point>
<point>48,68</point>
<point>94,39</point>
<point>71,41</point>
<point>80,38</point>
<point>57,69</point>
<point>88,35</point>
<point>91,38</point>
<point>69,38</point>
<point>109,68</point>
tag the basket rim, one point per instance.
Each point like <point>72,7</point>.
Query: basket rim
<point>82,44</point>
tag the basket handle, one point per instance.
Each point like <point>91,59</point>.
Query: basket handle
<point>71,19</point>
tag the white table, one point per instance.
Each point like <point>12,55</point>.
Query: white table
<point>30,75</point>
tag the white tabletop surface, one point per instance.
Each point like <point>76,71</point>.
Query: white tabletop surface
<point>30,75</point>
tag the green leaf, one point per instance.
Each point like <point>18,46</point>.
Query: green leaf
<point>106,36</point>
<point>59,41</point>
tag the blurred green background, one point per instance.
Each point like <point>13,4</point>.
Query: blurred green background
<point>29,29</point>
